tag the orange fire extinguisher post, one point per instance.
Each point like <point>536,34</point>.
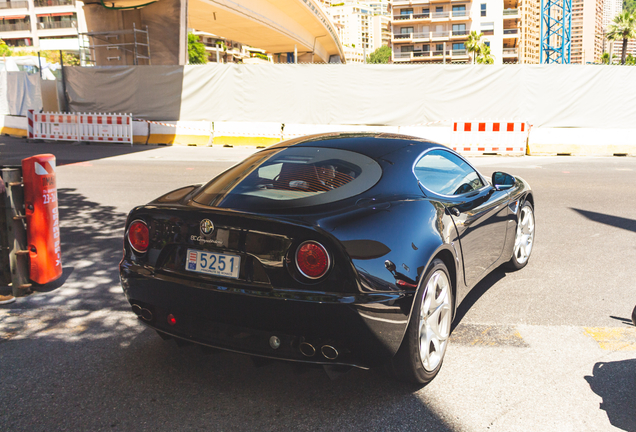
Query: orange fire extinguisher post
<point>42,217</point>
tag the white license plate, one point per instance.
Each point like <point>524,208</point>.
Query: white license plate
<point>212,263</point>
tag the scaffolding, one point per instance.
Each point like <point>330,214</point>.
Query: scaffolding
<point>116,43</point>
<point>556,31</point>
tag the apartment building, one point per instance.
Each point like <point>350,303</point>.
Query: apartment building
<point>221,50</point>
<point>362,27</point>
<point>587,31</point>
<point>42,24</point>
<point>436,30</point>
<point>529,31</point>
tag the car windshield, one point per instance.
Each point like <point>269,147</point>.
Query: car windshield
<point>291,177</point>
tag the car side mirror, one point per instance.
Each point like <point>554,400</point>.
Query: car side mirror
<point>502,181</point>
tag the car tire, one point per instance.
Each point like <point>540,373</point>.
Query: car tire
<point>420,356</point>
<point>524,238</point>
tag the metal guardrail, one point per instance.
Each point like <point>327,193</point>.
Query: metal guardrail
<point>14,5</point>
<point>57,24</point>
<point>511,31</point>
<point>510,51</point>
<point>511,11</point>
<point>15,27</point>
<point>46,3</point>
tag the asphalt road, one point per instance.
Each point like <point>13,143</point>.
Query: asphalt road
<point>548,348</point>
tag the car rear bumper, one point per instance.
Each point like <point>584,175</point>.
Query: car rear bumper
<point>363,330</point>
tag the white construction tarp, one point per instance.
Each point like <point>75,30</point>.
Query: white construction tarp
<point>19,92</point>
<point>391,95</point>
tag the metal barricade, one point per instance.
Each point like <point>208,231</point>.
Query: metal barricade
<point>80,127</point>
<point>488,137</point>
<point>105,128</point>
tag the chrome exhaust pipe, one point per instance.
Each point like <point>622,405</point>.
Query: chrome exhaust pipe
<point>329,352</point>
<point>136,309</point>
<point>307,349</point>
<point>146,315</point>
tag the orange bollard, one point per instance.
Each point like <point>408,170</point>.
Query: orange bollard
<point>42,218</point>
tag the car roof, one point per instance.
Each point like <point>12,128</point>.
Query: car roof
<point>370,144</point>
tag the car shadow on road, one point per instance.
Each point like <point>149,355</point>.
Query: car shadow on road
<point>84,362</point>
<point>13,150</point>
<point>110,374</point>
<point>615,382</point>
<point>476,293</point>
<point>615,221</point>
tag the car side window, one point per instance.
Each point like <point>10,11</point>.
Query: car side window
<point>446,174</point>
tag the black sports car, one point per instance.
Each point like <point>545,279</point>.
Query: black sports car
<point>334,249</point>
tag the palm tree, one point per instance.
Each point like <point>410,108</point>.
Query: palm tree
<point>623,27</point>
<point>485,57</point>
<point>473,44</point>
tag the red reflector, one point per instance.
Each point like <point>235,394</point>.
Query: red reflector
<point>171,319</point>
<point>138,236</point>
<point>402,283</point>
<point>312,260</point>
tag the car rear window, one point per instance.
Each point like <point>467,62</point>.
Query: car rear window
<point>291,177</point>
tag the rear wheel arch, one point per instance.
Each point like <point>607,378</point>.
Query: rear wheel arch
<point>451,264</point>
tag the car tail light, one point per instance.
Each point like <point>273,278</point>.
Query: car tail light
<point>138,236</point>
<point>312,260</point>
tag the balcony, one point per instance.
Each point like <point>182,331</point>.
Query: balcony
<point>435,56</point>
<point>510,52</point>
<point>511,32</point>
<point>15,27</point>
<point>47,3</point>
<point>440,35</point>
<point>57,25</point>
<point>421,36</point>
<point>460,33</point>
<point>440,15</point>
<point>403,37</point>
<point>14,5</point>
<point>402,56</point>
<point>511,13</point>
<point>412,17</point>
<point>460,15</point>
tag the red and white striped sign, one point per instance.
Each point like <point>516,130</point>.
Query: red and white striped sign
<point>80,127</point>
<point>479,137</point>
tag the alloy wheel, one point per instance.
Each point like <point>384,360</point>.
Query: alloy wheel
<point>525,235</point>
<point>435,320</point>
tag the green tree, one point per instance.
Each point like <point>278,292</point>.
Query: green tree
<point>605,58</point>
<point>629,6</point>
<point>485,57</point>
<point>4,48</point>
<point>631,60</point>
<point>623,27</point>
<point>196,50</point>
<point>70,59</point>
<point>381,55</point>
<point>473,44</point>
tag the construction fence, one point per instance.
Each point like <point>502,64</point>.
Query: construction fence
<point>555,96</point>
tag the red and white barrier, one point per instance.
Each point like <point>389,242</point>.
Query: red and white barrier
<point>80,127</point>
<point>479,137</point>
<point>105,128</point>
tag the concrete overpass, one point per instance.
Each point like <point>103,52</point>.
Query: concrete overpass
<point>277,26</point>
